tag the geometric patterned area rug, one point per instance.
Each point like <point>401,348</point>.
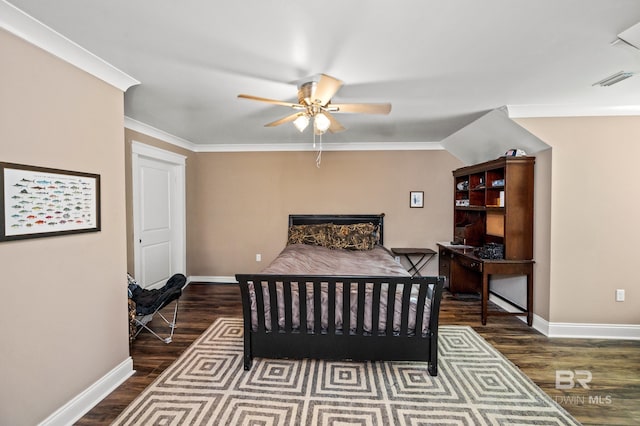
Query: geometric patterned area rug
<point>476,385</point>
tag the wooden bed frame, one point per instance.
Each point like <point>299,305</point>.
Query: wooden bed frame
<point>272,341</point>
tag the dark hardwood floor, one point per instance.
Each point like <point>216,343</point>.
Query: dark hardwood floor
<point>612,397</point>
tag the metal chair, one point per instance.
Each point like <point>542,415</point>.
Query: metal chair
<point>148,303</point>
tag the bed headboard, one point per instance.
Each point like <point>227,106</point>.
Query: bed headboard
<point>340,219</point>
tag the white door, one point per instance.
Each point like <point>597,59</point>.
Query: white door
<point>158,192</point>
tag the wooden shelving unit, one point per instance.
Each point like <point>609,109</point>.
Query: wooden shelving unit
<point>493,203</point>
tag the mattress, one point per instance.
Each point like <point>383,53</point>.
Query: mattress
<point>302,259</point>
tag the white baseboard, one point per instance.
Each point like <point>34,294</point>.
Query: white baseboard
<point>90,397</point>
<point>595,331</point>
<point>212,279</point>
<point>539,323</point>
<point>576,330</point>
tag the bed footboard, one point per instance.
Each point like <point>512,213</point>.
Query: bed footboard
<point>379,318</point>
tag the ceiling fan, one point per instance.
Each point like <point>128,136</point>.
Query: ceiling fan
<point>314,102</point>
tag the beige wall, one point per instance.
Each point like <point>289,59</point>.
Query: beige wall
<point>64,307</point>
<point>542,233</point>
<point>242,201</point>
<point>593,217</point>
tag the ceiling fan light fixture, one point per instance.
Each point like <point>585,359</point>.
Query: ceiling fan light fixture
<point>321,123</point>
<point>314,104</point>
<point>301,122</point>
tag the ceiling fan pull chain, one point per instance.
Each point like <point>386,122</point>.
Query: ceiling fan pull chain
<point>319,156</point>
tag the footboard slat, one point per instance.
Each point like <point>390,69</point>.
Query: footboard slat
<point>302,304</point>
<point>273,305</point>
<point>331,316</point>
<point>272,329</point>
<point>391,302</point>
<point>422,297</point>
<point>346,307</point>
<point>375,310</point>
<point>288,307</point>
<point>317,307</point>
<point>404,317</point>
<point>359,314</point>
<point>260,305</point>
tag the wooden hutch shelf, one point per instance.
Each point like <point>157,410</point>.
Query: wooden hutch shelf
<point>493,204</point>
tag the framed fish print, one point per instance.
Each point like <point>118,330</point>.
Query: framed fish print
<point>42,202</point>
<point>416,199</point>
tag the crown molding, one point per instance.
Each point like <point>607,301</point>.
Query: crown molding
<point>145,129</point>
<point>348,146</point>
<point>538,111</point>
<point>148,130</point>
<point>35,32</point>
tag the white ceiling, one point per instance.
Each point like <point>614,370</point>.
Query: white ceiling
<point>442,64</point>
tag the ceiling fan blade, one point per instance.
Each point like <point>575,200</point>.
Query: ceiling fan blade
<point>270,101</point>
<point>361,108</point>
<point>327,87</point>
<point>335,125</point>
<point>286,119</point>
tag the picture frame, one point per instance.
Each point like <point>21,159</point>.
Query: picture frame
<point>416,199</point>
<point>40,202</point>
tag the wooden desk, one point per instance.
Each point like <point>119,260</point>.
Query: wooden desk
<point>426,254</point>
<point>465,272</point>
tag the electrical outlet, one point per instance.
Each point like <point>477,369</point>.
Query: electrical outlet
<point>397,259</point>
<point>258,257</point>
<point>620,295</point>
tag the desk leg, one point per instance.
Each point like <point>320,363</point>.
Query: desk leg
<point>485,297</point>
<point>530,298</point>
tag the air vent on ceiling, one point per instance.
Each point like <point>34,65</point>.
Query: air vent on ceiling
<point>613,79</point>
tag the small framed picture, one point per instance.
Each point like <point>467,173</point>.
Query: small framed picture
<point>416,199</point>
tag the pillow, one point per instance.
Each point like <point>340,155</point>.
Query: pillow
<point>359,236</point>
<point>315,235</point>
